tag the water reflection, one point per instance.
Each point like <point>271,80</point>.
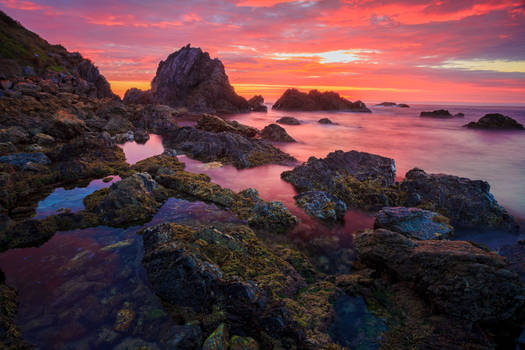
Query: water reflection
<point>136,152</point>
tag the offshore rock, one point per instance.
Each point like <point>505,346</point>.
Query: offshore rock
<point>413,223</point>
<point>294,100</point>
<point>138,97</point>
<point>256,104</point>
<point>225,147</point>
<point>325,121</point>
<point>216,124</point>
<point>456,277</point>
<point>467,203</point>
<point>288,121</point>
<point>495,121</point>
<point>277,133</point>
<point>321,205</point>
<point>441,113</point>
<point>224,270</point>
<point>190,78</point>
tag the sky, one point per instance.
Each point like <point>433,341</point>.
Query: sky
<point>444,51</point>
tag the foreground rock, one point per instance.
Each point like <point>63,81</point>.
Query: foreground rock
<point>256,104</point>
<point>223,271</point>
<point>274,132</point>
<point>225,147</point>
<point>294,100</point>
<point>190,78</point>
<point>413,223</point>
<point>440,113</point>
<point>10,335</point>
<point>467,203</point>
<point>321,205</point>
<point>453,276</point>
<point>288,121</point>
<point>495,121</point>
<point>216,124</point>
<point>361,180</point>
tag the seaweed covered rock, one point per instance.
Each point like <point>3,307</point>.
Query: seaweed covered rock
<point>190,78</point>
<point>321,205</point>
<point>413,222</point>
<point>361,180</point>
<point>295,100</point>
<point>213,123</point>
<point>133,199</point>
<point>22,159</point>
<point>225,271</point>
<point>10,335</point>
<point>288,121</point>
<point>495,121</point>
<point>277,133</point>
<point>225,147</point>
<point>457,278</point>
<point>467,203</point>
<point>256,104</point>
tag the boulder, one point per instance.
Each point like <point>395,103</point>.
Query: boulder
<point>413,222</point>
<point>274,132</point>
<point>495,121</point>
<point>14,135</point>
<point>21,160</point>
<point>256,104</point>
<point>387,104</point>
<point>321,205</point>
<point>141,136</point>
<point>225,147</point>
<point>137,96</point>
<point>294,100</point>
<point>457,278</point>
<point>325,121</point>
<point>467,203</point>
<point>288,121</point>
<point>403,105</point>
<point>190,78</point>
<point>361,180</point>
<point>216,124</point>
<point>66,125</point>
<point>440,113</point>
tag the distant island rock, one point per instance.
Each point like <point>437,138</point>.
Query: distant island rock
<point>392,104</point>
<point>190,78</point>
<point>441,113</point>
<point>288,121</point>
<point>495,121</point>
<point>295,100</point>
<point>326,121</point>
<point>256,104</point>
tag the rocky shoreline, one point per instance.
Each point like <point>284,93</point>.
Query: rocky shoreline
<point>251,284</point>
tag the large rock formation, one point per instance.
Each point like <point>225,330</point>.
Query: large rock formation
<point>225,147</point>
<point>495,121</point>
<point>457,278</point>
<point>190,78</point>
<point>25,54</point>
<point>467,203</point>
<point>295,100</point>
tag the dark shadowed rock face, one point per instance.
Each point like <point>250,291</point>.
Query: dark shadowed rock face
<point>441,113</point>
<point>495,121</point>
<point>325,121</point>
<point>225,147</point>
<point>467,203</point>
<point>288,121</point>
<point>294,100</point>
<point>413,222</point>
<point>190,78</point>
<point>256,104</point>
<point>456,277</point>
<point>274,132</point>
<point>217,124</point>
<point>138,97</point>
<point>321,205</point>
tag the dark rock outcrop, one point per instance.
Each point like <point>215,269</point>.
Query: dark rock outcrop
<point>274,132</point>
<point>467,203</point>
<point>288,121</point>
<point>441,113</point>
<point>321,205</point>
<point>137,96</point>
<point>22,159</point>
<point>225,147</point>
<point>495,121</point>
<point>190,78</point>
<point>10,335</point>
<point>326,121</point>
<point>392,104</point>
<point>294,100</point>
<point>216,124</point>
<point>413,222</point>
<point>256,104</point>
<point>457,278</point>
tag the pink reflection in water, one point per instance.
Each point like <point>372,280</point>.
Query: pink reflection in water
<point>136,152</point>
